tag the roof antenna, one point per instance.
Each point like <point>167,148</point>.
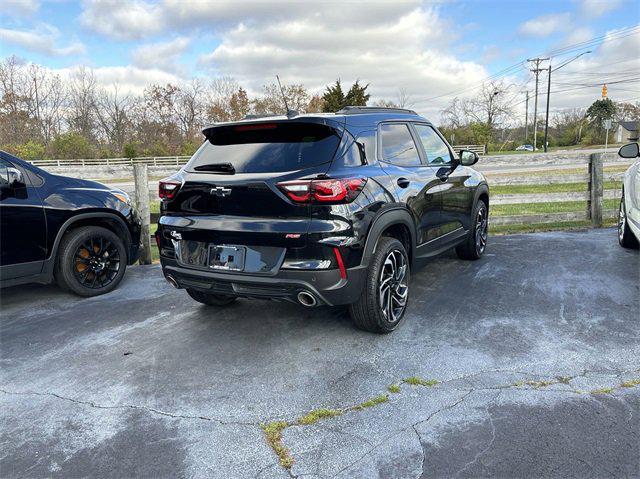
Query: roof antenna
<point>290,113</point>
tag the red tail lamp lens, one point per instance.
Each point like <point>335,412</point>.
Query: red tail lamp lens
<point>339,191</point>
<point>167,189</point>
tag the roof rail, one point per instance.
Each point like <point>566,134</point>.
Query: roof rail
<point>356,110</point>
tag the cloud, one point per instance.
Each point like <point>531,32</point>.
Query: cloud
<point>138,19</point>
<point>597,8</point>
<point>407,49</point>
<point>545,25</point>
<point>162,55</point>
<point>42,39</point>
<point>19,8</point>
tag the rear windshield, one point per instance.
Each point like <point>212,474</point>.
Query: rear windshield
<point>265,147</point>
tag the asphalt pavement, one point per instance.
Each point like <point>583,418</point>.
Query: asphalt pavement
<point>523,364</point>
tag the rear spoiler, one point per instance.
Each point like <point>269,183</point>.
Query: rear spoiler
<point>211,130</point>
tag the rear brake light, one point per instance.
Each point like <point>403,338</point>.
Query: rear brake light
<point>343,190</point>
<point>257,126</point>
<point>167,189</point>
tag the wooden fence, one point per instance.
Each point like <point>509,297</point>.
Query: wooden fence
<point>594,178</point>
<point>145,160</point>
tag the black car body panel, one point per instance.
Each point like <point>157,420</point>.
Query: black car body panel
<point>35,217</point>
<point>302,245</point>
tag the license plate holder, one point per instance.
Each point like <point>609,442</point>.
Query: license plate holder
<point>227,257</point>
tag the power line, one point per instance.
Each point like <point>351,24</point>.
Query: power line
<point>622,33</point>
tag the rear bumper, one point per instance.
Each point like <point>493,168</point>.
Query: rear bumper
<point>326,285</point>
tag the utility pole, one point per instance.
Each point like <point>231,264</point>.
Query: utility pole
<point>546,122</point>
<point>537,71</point>
<point>526,119</point>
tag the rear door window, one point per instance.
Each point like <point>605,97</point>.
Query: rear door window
<point>265,147</point>
<point>397,145</point>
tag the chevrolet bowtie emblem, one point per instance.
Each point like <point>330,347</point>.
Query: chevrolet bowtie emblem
<point>220,191</point>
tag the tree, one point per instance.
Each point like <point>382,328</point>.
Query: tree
<point>112,112</point>
<point>333,98</point>
<point>357,95</point>
<point>81,114</point>
<point>271,101</point>
<point>599,111</point>
<point>627,111</point>
<point>71,145</point>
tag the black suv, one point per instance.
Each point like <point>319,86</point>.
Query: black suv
<point>320,209</point>
<point>79,232</point>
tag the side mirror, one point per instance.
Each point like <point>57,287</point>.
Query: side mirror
<point>468,158</point>
<point>629,151</point>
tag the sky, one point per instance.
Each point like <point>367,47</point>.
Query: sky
<point>432,50</point>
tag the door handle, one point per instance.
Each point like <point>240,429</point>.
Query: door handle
<point>403,182</point>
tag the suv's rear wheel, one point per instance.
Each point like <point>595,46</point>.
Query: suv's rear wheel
<point>476,242</point>
<point>211,299</point>
<point>91,261</point>
<point>385,295</point>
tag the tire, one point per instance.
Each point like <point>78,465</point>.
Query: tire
<point>476,242</point>
<point>91,261</point>
<point>211,299</point>
<point>625,235</point>
<point>389,264</point>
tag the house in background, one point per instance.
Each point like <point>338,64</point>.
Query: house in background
<point>627,131</point>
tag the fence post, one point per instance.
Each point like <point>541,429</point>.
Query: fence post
<point>141,180</point>
<point>596,177</point>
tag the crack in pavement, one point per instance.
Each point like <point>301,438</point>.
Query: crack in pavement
<point>127,406</point>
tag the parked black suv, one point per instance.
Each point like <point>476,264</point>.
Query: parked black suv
<point>320,209</point>
<point>79,232</point>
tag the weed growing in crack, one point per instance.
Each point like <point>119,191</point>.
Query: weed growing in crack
<point>631,383</point>
<point>602,391</point>
<point>273,433</point>
<point>371,402</point>
<point>416,381</point>
<point>394,388</point>
<point>314,416</point>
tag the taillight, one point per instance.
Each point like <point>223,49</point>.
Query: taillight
<point>168,188</point>
<point>343,190</point>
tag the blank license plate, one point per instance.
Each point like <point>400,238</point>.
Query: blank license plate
<point>230,258</point>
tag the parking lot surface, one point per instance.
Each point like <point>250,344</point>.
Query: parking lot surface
<point>523,364</point>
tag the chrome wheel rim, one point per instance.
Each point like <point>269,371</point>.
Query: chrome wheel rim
<point>393,287</point>
<point>481,228</point>
<point>622,220</point>
<point>96,263</point>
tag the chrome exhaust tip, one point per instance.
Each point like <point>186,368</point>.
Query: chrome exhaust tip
<point>172,281</point>
<point>307,299</point>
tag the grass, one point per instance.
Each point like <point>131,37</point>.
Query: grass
<point>314,416</point>
<point>273,433</point>
<point>154,207</point>
<point>541,227</point>
<point>602,391</point>
<point>372,402</point>
<point>542,208</point>
<point>551,188</point>
<point>394,388</point>
<point>631,383</point>
<point>416,381</point>
<point>546,171</point>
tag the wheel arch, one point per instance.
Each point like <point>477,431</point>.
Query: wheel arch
<point>396,222</point>
<point>110,221</point>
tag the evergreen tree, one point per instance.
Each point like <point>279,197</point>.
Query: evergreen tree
<point>333,97</point>
<point>357,95</point>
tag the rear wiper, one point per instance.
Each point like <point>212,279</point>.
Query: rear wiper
<point>224,168</point>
